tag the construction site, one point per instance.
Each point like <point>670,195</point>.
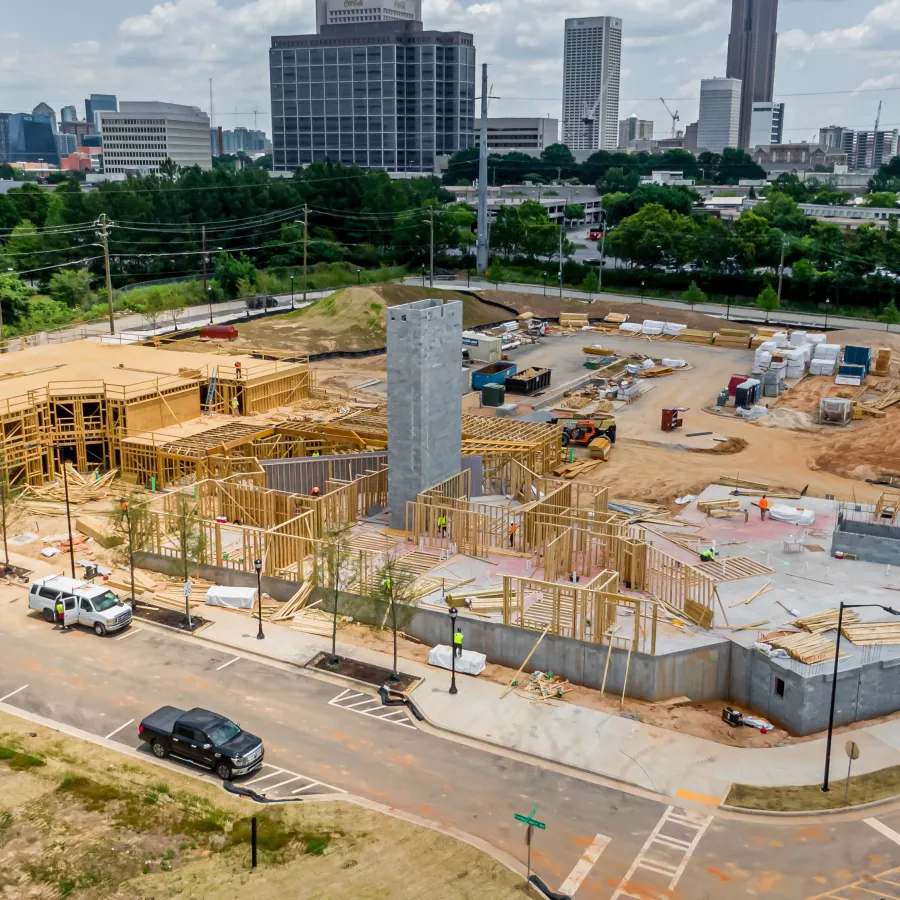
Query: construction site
<point>590,507</point>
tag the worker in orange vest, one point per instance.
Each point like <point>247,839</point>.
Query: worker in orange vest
<point>512,533</point>
<point>763,507</point>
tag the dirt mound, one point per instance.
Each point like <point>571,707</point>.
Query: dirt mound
<point>866,337</point>
<point>865,451</point>
<point>724,448</point>
<point>791,419</point>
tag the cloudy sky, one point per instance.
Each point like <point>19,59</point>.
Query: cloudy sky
<point>836,58</point>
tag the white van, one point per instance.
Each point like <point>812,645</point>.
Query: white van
<point>84,603</point>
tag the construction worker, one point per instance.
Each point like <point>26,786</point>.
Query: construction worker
<point>763,507</point>
<point>234,406</point>
<point>60,613</point>
<point>708,555</point>
<point>314,492</point>
<point>442,524</point>
<point>314,453</point>
<point>512,534</point>
<point>386,586</point>
<point>457,642</point>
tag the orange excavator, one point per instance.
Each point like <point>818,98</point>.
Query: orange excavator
<point>580,432</point>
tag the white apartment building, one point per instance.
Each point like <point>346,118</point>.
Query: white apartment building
<point>592,62</point>
<point>142,135</point>
<point>766,124</point>
<point>512,133</point>
<point>353,12</point>
<point>720,114</point>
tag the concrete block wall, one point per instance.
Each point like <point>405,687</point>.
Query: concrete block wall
<point>870,541</point>
<point>424,341</point>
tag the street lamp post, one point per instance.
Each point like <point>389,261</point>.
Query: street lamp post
<point>834,677</point>
<point>257,564</point>
<point>827,303</point>
<point>209,302</point>
<point>453,614</point>
<point>358,275</point>
<point>642,292</point>
<point>423,274</point>
<point>292,291</point>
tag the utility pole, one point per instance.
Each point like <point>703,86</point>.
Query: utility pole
<point>431,248</point>
<point>560,258</point>
<point>305,242</point>
<point>781,265</point>
<point>104,236</point>
<point>205,288</point>
<point>481,261</point>
<point>69,518</point>
<point>602,246</point>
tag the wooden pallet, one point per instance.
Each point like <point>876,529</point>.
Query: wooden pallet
<point>735,567</point>
<point>872,634</point>
<point>804,647</point>
<point>825,621</point>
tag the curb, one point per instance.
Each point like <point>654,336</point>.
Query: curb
<point>774,813</point>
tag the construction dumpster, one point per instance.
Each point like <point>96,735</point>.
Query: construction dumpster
<point>496,373</point>
<point>529,381</point>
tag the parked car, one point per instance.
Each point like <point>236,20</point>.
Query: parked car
<point>262,301</point>
<point>84,603</point>
<point>204,738</point>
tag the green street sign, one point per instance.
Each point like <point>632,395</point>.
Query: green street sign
<point>530,820</point>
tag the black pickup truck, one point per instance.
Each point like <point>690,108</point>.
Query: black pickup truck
<point>204,738</point>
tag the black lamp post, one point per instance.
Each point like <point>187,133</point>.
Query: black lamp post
<point>453,615</point>
<point>837,656</point>
<point>257,564</point>
<point>642,292</point>
<point>358,275</point>
<point>423,274</point>
<point>292,291</point>
<point>827,303</point>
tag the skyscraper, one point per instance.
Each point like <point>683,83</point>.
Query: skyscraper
<point>592,61</point>
<point>720,106</point>
<point>751,56</point>
<point>69,114</point>
<point>99,103</point>
<point>351,12</point>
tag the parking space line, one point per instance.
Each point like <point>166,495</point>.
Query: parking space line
<point>584,865</point>
<point>280,784</point>
<point>225,665</point>
<point>13,693</point>
<point>306,787</point>
<point>119,729</point>
<point>266,777</point>
<point>128,633</point>
<point>880,827</point>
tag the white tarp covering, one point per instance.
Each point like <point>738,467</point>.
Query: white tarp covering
<point>792,515</point>
<point>470,663</point>
<point>232,597</point>
<point>674,363</point>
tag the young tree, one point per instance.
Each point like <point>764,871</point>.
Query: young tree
<point>23,246</point>
<point>496,273</point>
<point>591,282</point>
<point>186,527</point>
<point>693,295</point>
<point>336,571</point>
<point>175,304</point>
<point>395,587</point>
<point>133,524</point>
<point>890,315</point>
<point>574,211</point>
<point>768,300</point>
<point>72,287</point>
<point>11,510</point>
<point>153,308</point>
<point>14,296</point>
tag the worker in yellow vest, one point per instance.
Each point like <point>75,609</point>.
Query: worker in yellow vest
<point>442,524</point>
<point>457,642</point>
<point>315,453</point>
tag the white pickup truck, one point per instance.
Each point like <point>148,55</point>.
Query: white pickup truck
<point>84,603</point>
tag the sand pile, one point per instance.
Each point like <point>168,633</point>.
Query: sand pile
<point>791,419</point>
<point>864,451</point>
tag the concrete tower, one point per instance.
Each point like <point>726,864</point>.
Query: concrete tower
<point>424,340</point>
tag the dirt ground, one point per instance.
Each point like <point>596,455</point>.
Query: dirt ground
<point>80,821</point>
<point>350,320</point>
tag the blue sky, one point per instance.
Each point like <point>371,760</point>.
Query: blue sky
<point>59,52</point>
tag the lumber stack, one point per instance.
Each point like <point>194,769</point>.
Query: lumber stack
<point>597,351</point>
<point>804,647</point>
<point>657,372</point>
<point>101,530</point>
<point>882,361</point>
<point>317,621</point>
<point>733,337</point>
<point>599,448</point>
<point>615,318</point>
<point>120,580</point>
<point>763,487</point>
<point>580,467</point>
<point>825,621</point>
<point>294,604</point>
<point>695,336</point>
<point>541,687</point>
<point>872,634</point>
<point>710,507</point>
<point>171,594</point>
<point>573,320</point>
<point>82,488</point>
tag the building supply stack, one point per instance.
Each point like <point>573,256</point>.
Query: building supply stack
<point>652,327</point>
<point>763,335</point>
<point>573,320</point>
<point>696,336</point>
<point>835,411</point>
<point>796,362</point>
<point>615,318</point>
<point>762,356</point>
<point>628,390</point>
<point>673,329</point>
<point>882,362</point>
<point>824,359</point>
<point>738,338</point>
<point>630,327</point>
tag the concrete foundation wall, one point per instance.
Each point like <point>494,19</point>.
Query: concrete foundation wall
<point>424,341</point>
<point>869,541</point>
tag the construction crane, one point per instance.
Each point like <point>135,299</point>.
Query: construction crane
<point>871,161</point>
<point>674,115</point>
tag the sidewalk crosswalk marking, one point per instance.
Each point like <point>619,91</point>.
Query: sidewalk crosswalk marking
<point>584,865</point>
<point>367,705</point>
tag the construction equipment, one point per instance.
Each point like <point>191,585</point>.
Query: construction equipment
<point>580,432</point>
<point>674,115</point>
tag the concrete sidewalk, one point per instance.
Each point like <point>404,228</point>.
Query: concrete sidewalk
<point>669,763</point>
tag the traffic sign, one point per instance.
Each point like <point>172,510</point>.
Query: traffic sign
<point>187,589</point>
<point>532,823</point>
<point>851,748</point>
<point>530,820</point>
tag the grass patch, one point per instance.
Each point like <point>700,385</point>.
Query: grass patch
<point>881,785</point>
<point>19,761</point>
<point>90,794</point>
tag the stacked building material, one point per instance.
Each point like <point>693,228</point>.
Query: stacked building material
<point>696,336</point>
<point>733,337</point>
<point>883,361</point>
<point>573,320</point>
<point>824,359</point>
<point>673,328</point>
<point>796,362</point>
<point>615,318</point>
<point>652,327</point>
<point>630,327</point>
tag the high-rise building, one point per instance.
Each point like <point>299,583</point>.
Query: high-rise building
<point>28,139</point>
<point>354,12</point>
<point>47,111</point>
<point>68,114</point>
<point>634,129</point>
<point>766,124</point>
<point>720,109</point>
<point>508,133</point>
<point>592,62</point>
<point>142,135</point>
<point>751,56</point>
<point>97,103</point>
<point>66,144</point>
<point>385,95</point>
<point>243,140</point>
<point>865,149</point>
<point>832,137</point>
<point>690,136</point>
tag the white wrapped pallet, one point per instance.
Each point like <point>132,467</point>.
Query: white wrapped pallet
<point>673,328</point>
<point>674,363</point>
<point>768,345</point>
<point>799,338</point>
<point>652,323</point>
<point>649,329</point>
<point>816,338</point>
<point>630,327</point>
<point>827,351</point>
<point>763,359</point>
<point>780,339</point>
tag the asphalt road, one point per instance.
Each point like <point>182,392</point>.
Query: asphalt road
<point>321,737</point>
